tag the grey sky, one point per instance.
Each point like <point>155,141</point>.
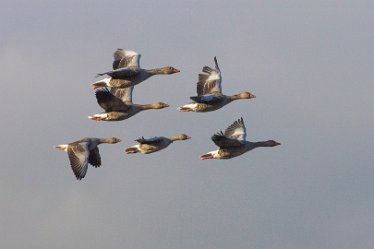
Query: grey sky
<point>308,62</point>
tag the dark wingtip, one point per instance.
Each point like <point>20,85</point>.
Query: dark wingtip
<point>216,62</point>
<point>101,90</point>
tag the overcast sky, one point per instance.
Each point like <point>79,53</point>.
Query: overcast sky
<point>310,64</point>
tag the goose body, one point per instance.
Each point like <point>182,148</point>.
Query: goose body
<point>83,152</point>
<point>127,71</point>
<point>150,145</point>
<point>119,106</point>
<point>209,92</point>
<point>233,143</point>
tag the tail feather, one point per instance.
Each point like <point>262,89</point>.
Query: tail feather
<point>184,109</point>
<point>131,150</point>
<point>63,147</point>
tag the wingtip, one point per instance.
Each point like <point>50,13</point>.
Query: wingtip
<point>216,62</point>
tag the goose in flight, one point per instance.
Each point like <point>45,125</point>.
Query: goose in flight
<point>127,71</point>
<point>154,144</point>
<point>119,106</point>
<point>84,152</point>
<point>233,143</point>
<point>209,92</point>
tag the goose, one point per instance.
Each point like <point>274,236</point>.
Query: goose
<point>233,142</point>
<point>150,145</point>
<point>127,71</point>
<point>209,92</point>
<point>119,106</point>
<point>84,152</point>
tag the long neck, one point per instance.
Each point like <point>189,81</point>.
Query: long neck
<point>263,144</point>
<point>175,138</point>
<point>147,107</point>
<point>156,71</point>
<point>105,141</point>
<point>234,97</point>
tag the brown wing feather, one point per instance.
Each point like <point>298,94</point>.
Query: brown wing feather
<point>210,81</point>
<point>125,62</point>
<point>77,160</point>
<point>202,87</point>
<point>125,94</point>
<point>118,55</point>
<point>236,130</point>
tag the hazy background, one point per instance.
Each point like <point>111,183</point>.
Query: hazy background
<point>310,64</point>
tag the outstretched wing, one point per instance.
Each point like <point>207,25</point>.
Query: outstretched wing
<point>109,102</point>
<point>234,136</point>
<point>125,58</point>
<point>78,157</point>
<point>211,81</point>
<point>94,157</point>
<point>152,140</point>
<point>224,142</point>
<point>237,130</point>
<point>125,94</point>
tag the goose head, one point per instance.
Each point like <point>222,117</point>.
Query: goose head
<point>113,140</point>
<point>272,143</point>
<point>245,95</point>
<point>159,105</point>
<point>180,137</point>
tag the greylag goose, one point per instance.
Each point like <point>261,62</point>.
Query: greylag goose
<point>127,71</point>
<point>154,144</point>
<point>233,142</point>
<point>119,106</point>
<point>209,92</point>
<point>84,152</point>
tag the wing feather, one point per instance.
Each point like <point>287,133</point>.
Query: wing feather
<point>78,157</point>
<point>125,58</point>
<point>209,82</point>
<point>94,157</point>
<point>224,142</point>
<point>109,102</point>
<point>125,94</point>
<point>237,130</point>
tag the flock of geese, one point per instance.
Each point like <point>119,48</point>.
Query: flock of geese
<point>117,104</point>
